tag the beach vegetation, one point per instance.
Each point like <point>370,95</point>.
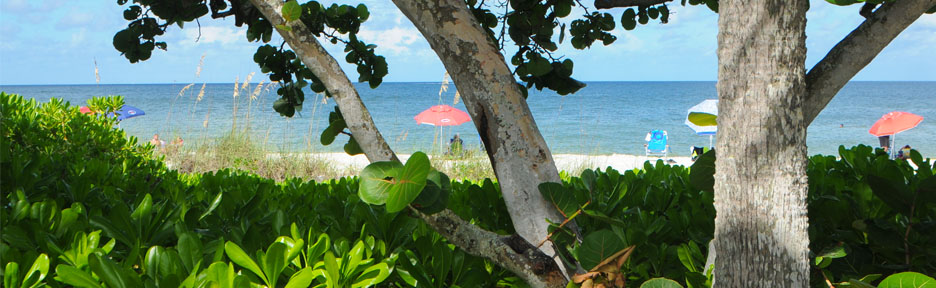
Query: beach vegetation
<point>86,206</point>
<point>787,98</point>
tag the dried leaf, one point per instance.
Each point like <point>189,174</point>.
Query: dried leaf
<point>588,284</point>
<point>579,278</point>
<point>624,253</point>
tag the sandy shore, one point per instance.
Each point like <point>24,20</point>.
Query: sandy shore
<point>566,162</point>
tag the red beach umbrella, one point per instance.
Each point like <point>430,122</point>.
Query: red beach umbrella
<point>85,110</point>
<point>442,115</point>
<point>895,122</point>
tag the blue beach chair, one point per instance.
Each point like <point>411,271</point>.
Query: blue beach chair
<point>656,143</point>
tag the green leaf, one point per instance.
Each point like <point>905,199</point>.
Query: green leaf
<point>237,255</point>
<point>539,66</point>
<point>660,283</point>
<point>11,275</point>
<point>373,275</point>
<point>73,276</point>
<point>40,268</point>
<point>907,280</point>
<point>598,246</point>
<point>362,12</point>
<point>377,181</point>
<point>291,10</point>
<point>559,196</point>
<point>410,182</point>
<point>702,172</point>
<point>301,279</point>
<point>284,27</point>
<point>144,209</point>
<point>214,205</point>
<point>113,275</point>
<point>352,147</point>
<point>274,261</point>
<point>685,257</point>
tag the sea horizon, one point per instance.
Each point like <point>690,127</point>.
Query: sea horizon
<point>605,117</point>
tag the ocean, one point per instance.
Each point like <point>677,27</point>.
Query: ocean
<point>602,118</point>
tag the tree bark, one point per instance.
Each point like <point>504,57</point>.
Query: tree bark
<point>760,185</point>
<point>511,252</point>
<point>856,50</point>
<point>518,152</point>
<point>324,66</point>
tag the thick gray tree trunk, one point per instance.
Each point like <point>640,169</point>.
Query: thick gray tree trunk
<point>760,184</point>
<point>518,152</point>
<point>324,66</point>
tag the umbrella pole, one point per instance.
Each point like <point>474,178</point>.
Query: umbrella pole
<point>710,141</point>
<point>893,146</point>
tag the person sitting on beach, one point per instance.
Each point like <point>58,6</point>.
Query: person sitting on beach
<point>885,142</point>
<point>177,141</point>
<point>904,153</point>
<point>455,145</point>
<point>157,142</point>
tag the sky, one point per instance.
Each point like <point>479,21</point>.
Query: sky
<point>61,41</point>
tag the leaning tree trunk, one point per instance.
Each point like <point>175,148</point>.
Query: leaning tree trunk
<point>760,184</point>
<point>518,152</point>
<point>324,66</point>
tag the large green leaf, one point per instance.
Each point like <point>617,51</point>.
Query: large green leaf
<point>908,280</point>
<point>301,279</point>
<point>274,261</point>
<point>37,272</point>
<point>237,255</point>
<point>559,196</point>
<point>702,172</point>
<point>76,277</point>
<point>372,275</point>
<point>394,184</point>
<point>660,283</point>
<point>377,181</point>
<point>410,182</point>
<point>598,246</point>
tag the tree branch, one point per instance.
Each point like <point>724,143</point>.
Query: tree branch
<point>324,66</point>
<point>608,4</point>
<point>510,251</point>
<point>856,50</point>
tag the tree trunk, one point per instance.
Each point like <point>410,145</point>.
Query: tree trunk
<point>518,152</point>
<point>760,184</point>
<point>324,66</point>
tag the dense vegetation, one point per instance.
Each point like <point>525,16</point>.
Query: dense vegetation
<point>86,206</point>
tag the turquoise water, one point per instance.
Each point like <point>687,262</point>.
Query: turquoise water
<point>603,118</point>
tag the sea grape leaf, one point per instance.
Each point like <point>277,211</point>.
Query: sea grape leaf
<point>559,196</point>
<point>410,182</point>
<point>376,181</point>
<point>598,246</point>
<point>291,10</point>
<point>660,283</point>
<point>907,280</point>
<point>702,172</point>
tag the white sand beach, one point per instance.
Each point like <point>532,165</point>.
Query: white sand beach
<point>564,162</point>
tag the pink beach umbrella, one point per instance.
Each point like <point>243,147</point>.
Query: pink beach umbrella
<point>442,115</point>
<point>895,122</point>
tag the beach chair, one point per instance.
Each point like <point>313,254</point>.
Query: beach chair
<point>656,143</point>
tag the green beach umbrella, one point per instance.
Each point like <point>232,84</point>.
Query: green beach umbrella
<point>703,118</point>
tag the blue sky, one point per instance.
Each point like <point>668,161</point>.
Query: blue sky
<point>58,41</point>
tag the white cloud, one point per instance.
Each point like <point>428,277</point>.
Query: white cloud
<point>213,34</point>
<point>395,40</point>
